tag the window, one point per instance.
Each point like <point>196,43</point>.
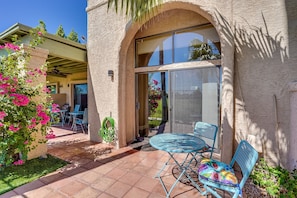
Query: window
<point>192,44</point>
<point>154,51</point>
<point>53,88</point>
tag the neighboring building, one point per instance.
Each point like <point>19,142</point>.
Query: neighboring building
<point>67,68</point>
<point>250,92</point>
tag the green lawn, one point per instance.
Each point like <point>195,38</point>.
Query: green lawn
<point>14,176</point>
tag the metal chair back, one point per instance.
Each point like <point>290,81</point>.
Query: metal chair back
<point>246,157</point>
<point>76,108</point>
<point>207,132</point>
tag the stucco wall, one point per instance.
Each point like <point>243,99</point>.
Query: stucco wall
<point>264,65</point>
<point>105,33</point>
<point>258,61</point>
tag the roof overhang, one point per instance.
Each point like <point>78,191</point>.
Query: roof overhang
<point>67,56</point>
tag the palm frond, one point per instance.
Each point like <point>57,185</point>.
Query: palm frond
<point>136,9</point>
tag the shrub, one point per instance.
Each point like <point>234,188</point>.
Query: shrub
<point>24,107</point>
<point>277,181</point>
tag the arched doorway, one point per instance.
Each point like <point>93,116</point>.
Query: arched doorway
<point>183,62</point>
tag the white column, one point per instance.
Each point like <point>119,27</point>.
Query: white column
<point>292,154</point>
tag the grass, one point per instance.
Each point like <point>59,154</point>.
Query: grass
<point>12,177</point>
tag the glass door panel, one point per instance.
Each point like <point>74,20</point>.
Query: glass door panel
<point>81,95</point>
<point>194,96</point>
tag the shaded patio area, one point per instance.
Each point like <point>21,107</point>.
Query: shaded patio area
<point>96,170</point>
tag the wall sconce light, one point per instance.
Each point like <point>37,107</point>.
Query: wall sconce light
<point>110,73</point>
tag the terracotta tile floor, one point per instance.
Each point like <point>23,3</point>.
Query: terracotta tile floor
<point>94,171</point>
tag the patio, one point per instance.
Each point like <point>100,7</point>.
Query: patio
<point>94,171</point>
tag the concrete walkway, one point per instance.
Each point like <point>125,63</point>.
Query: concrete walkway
<point>97,171</point>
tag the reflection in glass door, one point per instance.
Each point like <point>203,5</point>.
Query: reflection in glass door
<point>194,96</point>
<point>81,95</point>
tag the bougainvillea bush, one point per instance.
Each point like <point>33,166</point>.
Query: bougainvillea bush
<point>24,105</point>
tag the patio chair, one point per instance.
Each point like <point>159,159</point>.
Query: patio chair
<point>68,116</point>
<point>216,175</point>
<point>84,121</point>
<point>207,132</point>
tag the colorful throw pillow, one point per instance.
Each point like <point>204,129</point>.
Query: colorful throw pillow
<point>218,172</point>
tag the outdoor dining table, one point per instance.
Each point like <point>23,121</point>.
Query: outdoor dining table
<point>174,143</point>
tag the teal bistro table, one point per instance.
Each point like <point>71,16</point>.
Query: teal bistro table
<point>174,143</point>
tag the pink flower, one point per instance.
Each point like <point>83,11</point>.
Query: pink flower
<point>30,73</point>
<point>11,46</point>
<point>4,88</point>
<point>1,124</point>
<point>44,117</point>
<point>39,71</point>
<point>33,120</point>
<point>2,115</point>
<point>3,78</point>
<point>12,90</point>
<point>15,80</point>
<point>39,33</point>
<point>47,90</point>
<point>31,126</point>
<point>55,108</point>
<point>26,142</point>
<point>20,100</point>
<point>13,128</point>
<point>155,82</point>
<point>50,136</point>
<point>33,123</point>
<point>18,162</point>
<point>29,81</point>
<point>45,120</point>
<point>39,108</point>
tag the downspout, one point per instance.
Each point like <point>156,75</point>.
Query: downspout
<point>276,129</point>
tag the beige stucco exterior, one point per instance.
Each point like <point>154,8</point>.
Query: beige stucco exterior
<point>258,42</point>
<point>65,85</point>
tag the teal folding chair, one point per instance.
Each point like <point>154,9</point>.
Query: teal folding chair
<point>68,116</point>
<point>83,123</point>
<point>216,175</point>
<point>207,132</point>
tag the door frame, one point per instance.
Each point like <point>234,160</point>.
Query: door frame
<point>167,68</point>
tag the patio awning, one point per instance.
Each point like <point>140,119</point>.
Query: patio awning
<point>65,56</point>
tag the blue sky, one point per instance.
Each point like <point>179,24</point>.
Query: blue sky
<point>71,14</point>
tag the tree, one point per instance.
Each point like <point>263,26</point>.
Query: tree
<point>60,32</point>
<point>136,9</point>
<point>202,51</point>
<point>42,26</point>
<point>73,36</point>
